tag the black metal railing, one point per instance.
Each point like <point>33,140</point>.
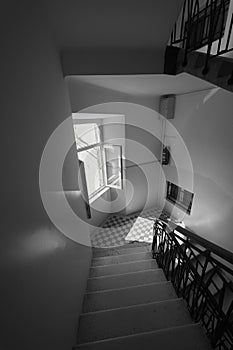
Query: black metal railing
<point>202,274</point>
<point>199,27</point>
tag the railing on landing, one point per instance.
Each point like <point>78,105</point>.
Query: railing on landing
<point>199,27</point>
<point>202,273</point>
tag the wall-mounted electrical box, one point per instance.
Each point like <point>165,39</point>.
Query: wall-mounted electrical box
<point>167,106</point>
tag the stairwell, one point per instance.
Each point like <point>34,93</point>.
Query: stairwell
<point>219,72</point>
<point>205,25</point>
<point>129,304</point>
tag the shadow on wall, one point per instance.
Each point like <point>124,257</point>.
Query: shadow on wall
<point>39,297</point>
<point>207,215</point>
<point>138,192</point>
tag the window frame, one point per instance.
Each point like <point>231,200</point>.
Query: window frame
<point>101,189</point>
<point>184,198</point>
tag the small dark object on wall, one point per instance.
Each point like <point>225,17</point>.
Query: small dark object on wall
<point>166,155</point>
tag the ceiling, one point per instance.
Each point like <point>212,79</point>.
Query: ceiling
<point>104,25</point>
<point>112,23</point>
<point>159,84</point>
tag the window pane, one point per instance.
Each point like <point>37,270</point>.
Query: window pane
<point>113,162</point>
<point>86,134</point>
<point>93,168</point>
<point>180,197</point>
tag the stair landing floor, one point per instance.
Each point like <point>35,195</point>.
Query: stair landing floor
<point>118,230</point>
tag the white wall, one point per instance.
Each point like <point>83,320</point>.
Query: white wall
<point>204,120</point>
<point>114,133</point>
<point>123,60</point>
<point>43,273</point>
<point>142,151</point>
<point>140,122</point>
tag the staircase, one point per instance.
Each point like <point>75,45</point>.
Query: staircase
<point>207,25</point>
<point>219,72</point>
<point>129,304</point>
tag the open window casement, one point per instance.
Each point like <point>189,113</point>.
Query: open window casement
<point>112,161</point>
<point>83,187</point>
<point>101,166</point>
<point>101,162</point>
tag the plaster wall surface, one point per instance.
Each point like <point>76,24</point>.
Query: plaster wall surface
<point>43,273</point>
<point>204,120</point>
<point>142,152</point>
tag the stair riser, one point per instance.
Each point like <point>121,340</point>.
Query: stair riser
<point>121,259</point>
<point>97,253</point>
<point>126,321</point>
<point>188,337</point>
<point>129,296</point>
<point>126,280</point>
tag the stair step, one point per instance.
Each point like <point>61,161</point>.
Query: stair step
<point>133,319</point>
<point>135,295</point>
<point>116,269</point>
<point>125,280</point>
<point>116,259</point>
<point>103,252</point>
<point>189,337</point>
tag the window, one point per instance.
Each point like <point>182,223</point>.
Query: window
<point>180,197</point>
<point>102,162</point>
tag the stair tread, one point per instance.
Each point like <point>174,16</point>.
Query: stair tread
<point>176,338</point>
<point>124,267</point>
<point>116,259</point>
<point>132,319</point>
<point>130,304</point>
<point>104,252</point>
<point>125,280</point>
<point>133,295</point>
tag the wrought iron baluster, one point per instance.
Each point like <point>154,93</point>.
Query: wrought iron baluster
<point>171,39</point>
<point>198,27</point>
<point>198,285</point>
<point>222,6</point>
<point>196,14</point>
<point>182,32</point>
<point>175,32</point>
<point>189,29</point>
<point>229,34</point>
<point>213,5</point>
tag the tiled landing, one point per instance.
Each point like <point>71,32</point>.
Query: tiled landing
<point>120,230</point>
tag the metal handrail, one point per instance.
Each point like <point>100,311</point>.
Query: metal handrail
<point>202,273</point>
<point>202,27</point>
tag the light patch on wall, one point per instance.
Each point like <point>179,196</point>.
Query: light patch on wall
<point>210,94</point>
<point>44,241</point>
<point>210,219</point>
<point>33,245</point>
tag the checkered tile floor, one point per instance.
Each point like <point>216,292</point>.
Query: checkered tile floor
<point>119,230</point>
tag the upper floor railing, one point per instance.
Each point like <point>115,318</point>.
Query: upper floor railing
<point>203,26</point>
<point>202,273</point>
